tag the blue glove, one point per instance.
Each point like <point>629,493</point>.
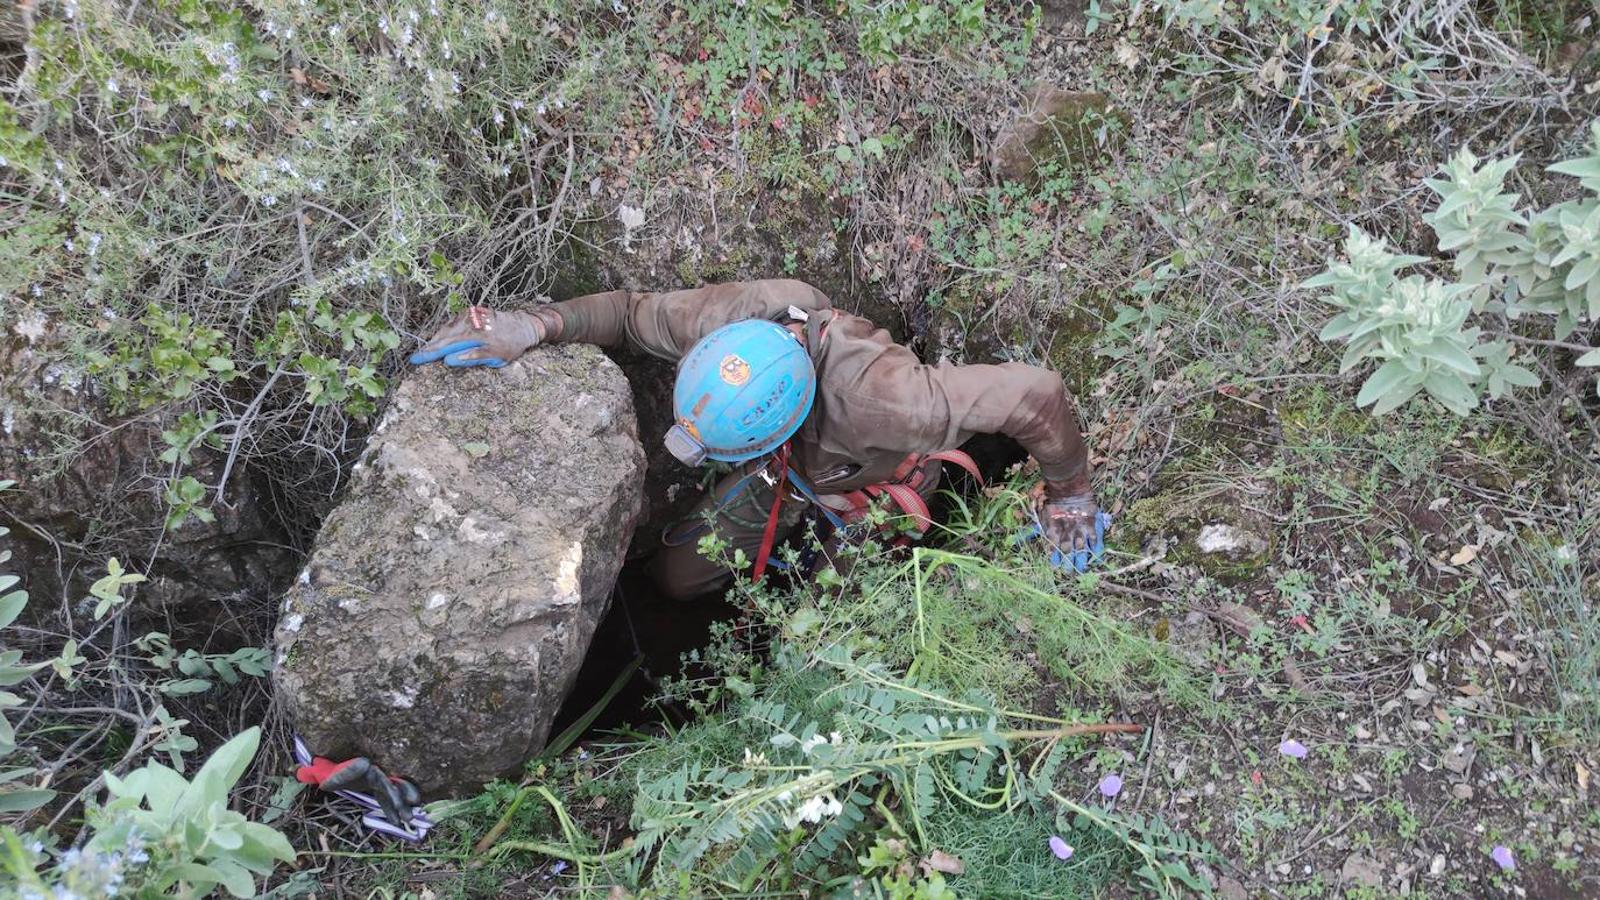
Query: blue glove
<point>483,337</point>
<point>1080,560</point>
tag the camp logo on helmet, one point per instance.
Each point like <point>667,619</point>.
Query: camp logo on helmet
<point>734,370</point>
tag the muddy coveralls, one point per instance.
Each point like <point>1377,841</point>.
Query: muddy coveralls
<point>876,403</point>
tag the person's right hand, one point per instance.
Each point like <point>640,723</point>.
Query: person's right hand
<point>483,337</point>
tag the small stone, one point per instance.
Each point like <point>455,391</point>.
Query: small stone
<point>1231,889</point>
<point>1436,868</point>
<point>1235,542</point>
<point>1362,734</point>
<point>1459,758</point>
<point>1361,870</point>
<point>1461,791</point>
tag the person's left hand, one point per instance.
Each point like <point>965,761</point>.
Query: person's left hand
<point>1072,524</point>
<point>480,336</point>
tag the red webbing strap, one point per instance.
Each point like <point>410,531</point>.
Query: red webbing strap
<point>910,503</point>
<point>770,535</point>
<point>960,458</point>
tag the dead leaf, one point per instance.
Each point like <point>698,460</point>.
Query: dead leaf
<point>1471,690</point>
<point>1507,657</point>
<point>940,861</point>
<point>1583,776</point>
<point>1466,554</point>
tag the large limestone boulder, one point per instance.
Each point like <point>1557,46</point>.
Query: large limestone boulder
<point>452,595</point>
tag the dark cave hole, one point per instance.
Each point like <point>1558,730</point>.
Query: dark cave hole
<point>642,623</point>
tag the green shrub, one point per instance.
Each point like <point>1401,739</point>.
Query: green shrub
<point>158,834</point>
<point>1508,261</point>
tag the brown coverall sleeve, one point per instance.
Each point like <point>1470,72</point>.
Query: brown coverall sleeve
<point>667,324</point>
<point>917,408</point>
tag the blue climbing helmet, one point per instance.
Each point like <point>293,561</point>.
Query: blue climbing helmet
<point>741,391</point>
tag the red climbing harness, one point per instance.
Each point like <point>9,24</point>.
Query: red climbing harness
<point>903,488</point>
<point>769,536</point>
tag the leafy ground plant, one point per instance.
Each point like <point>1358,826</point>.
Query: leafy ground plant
<point>158,834</point>
<point>1509,263</point>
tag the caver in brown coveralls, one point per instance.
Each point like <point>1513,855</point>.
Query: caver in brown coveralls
<point>876,402</point>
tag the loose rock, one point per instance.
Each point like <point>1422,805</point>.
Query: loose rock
<point>452,596</point>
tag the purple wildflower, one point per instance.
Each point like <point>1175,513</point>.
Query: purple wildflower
<point>1293,748</point>
<point>1060,848</point>
<point>1111,785</point>
<point>1503,858</point>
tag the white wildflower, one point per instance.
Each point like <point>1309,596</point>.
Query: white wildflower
<point>269,200</point>
<point>499,117</point>
<point>265,96</point>
<point>112,87</point>
<point>813,810</point>
<point>334,31</point>
<point>811,743</point>
<point>517,105</point>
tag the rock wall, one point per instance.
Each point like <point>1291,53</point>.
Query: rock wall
<point>452,595</point>
<point>90,486</point>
